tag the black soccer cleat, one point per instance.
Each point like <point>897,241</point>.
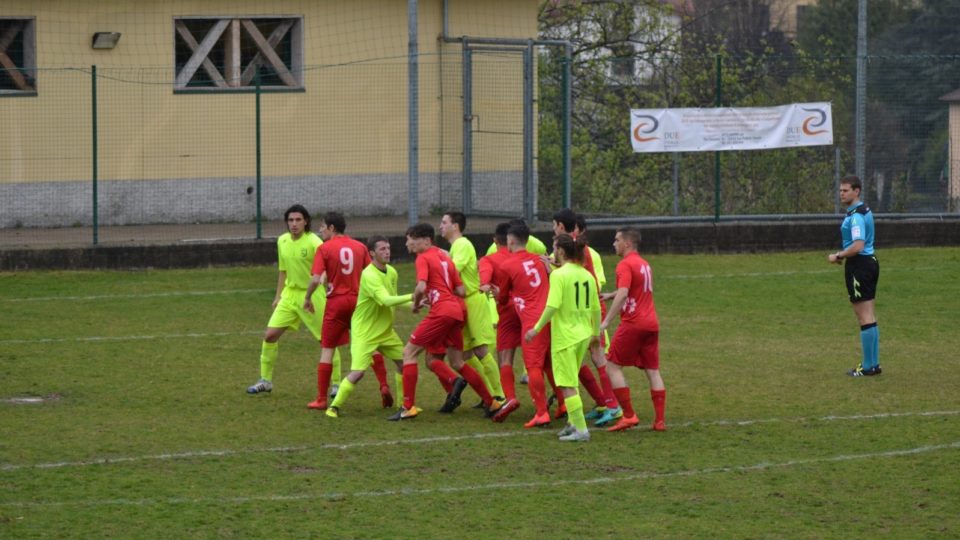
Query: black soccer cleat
<point>860,372</point>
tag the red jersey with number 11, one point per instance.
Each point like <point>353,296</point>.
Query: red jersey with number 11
<point>634,274</point>
<point>343,260</point>
<point>437,269</point>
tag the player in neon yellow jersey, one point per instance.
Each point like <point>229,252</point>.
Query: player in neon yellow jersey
<point>573,311</point>
<point>295,251</point>
<point>478,332</point>
<point>372,322</point>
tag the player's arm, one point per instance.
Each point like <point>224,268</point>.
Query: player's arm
<point>858,226</point>
<point>418,295</point>
<point>315,281</point>
<point>595,316</point>
<point>619,297</point>
<point>554,297</point>
<point>383,297</point>
<point>281,279</point>
<point>485,270</point>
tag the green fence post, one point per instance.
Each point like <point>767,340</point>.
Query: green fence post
<point>259,185</point>
<point>716,155</point>
<point>95,158</point>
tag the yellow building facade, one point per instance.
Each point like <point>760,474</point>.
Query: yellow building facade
<point>176,106</point>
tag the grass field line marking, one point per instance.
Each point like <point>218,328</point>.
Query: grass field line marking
<point>429,440</point>
<point>127,338</point>
<point>494,486</point>
<point>128,296</point>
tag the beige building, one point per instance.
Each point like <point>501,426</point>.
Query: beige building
<point>176,107</point>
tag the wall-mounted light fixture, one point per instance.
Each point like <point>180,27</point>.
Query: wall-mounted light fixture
<point>105,40</point>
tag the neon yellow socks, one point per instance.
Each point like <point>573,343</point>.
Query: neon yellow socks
<point>268,356</point>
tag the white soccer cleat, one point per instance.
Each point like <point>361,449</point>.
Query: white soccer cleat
<point>576,436</point>
<point>261,386</point>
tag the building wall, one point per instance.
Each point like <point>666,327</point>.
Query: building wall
<point>349,122</point>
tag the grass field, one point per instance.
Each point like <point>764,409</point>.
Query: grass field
<point>144,430</point>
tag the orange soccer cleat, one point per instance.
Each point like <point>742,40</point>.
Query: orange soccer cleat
<point>318,404</point>
<point>624,423</point>
<point>507,408</point>
<point>540,420</point>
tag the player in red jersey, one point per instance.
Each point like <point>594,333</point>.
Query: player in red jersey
<point>441,331</point>
<point>338,266</point>
<point>636,341</point>
<point>607,409</point>
<point>492,281</point>
<point>527,286</point>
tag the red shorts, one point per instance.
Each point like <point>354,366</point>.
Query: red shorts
<point>336,320</point>
<point>633,346</point>
<point>536,352</point>
<point>509,336</point>
<point>437,333</point>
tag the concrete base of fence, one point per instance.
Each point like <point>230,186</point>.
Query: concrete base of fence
<point>731,237</point>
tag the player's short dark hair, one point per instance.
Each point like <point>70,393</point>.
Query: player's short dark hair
<point>336,220</point>
<point>853,181</point>
<point>459,218</point>
<point>572,249</point>
<point>520,231</point>
<point>500,233</point>
<point>631,234</point>
<point>567,218</point>
<point>421,230</point>
<point>300,210</point>
<point>582,222</point>
<point>374,240</point>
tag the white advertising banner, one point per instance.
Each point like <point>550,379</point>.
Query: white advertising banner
<point>743,128</point>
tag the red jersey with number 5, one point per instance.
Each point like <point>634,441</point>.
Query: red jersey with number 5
<point>437,269</point>
<point>528,286</point>
<point>343,259</point>
<point>634,274</point>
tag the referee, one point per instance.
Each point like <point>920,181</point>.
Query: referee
<point>862,270</point>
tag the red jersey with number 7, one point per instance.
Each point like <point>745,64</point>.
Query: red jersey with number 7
<point>437,269</point>
<point>343,259</point>
<point>634,274</point>
<point>528,286</point>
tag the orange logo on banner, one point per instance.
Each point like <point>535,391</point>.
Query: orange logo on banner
<point>810,122</point>
<point>639,129</point>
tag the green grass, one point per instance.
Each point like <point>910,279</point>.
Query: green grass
<point>764,439</point>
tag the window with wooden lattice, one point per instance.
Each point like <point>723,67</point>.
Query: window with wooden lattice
<point>226,53</point>
<point>18,56</point>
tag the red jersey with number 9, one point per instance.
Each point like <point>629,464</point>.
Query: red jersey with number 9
<point>343,259</point>
<point>437,269</point>
<point>529,286</point>
<point>634,274</point>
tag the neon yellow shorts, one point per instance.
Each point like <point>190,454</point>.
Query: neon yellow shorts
<point>290,313</point>
<point>361,353</point>
<point>566,364</point>
<point>479,328</point>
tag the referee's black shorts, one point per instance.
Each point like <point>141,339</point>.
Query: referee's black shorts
<point>862,273</point>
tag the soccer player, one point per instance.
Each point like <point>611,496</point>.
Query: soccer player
<point>478,331</point>
<point>439,284</point>
<point>526,286</point>
<point>862,271</point>
<point>372,323</point>
<point>338,262</point>
<point>493,280</point>
<point>607,409</point>
<point>573,309</point>
<point>295,251</point>
<point>636,341</point>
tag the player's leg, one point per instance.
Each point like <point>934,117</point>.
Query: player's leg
<point>268,357</point>
<point>392,348</point>
<point>536,360</point>
<point>361,355</point>
<point>409,382</point>
<point>566,364</point>
<point>335,332</point>
<point>612,410</point>
<point>287,314</point>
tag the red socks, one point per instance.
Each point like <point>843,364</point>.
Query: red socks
<point>623,397</point>
<point>508,382</point>
<point>537,390</point>
<point>380,370</point>
<point>609,396</point>
<point>590,383</point>
<point>476,382</point>
<point>444,374</point>
<point>409,385</point>
<point>323,379</point>
<point>659,398</point>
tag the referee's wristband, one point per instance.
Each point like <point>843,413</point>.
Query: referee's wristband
<point>838,256</point>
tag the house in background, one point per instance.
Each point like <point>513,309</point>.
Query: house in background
<point>176,107</point>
